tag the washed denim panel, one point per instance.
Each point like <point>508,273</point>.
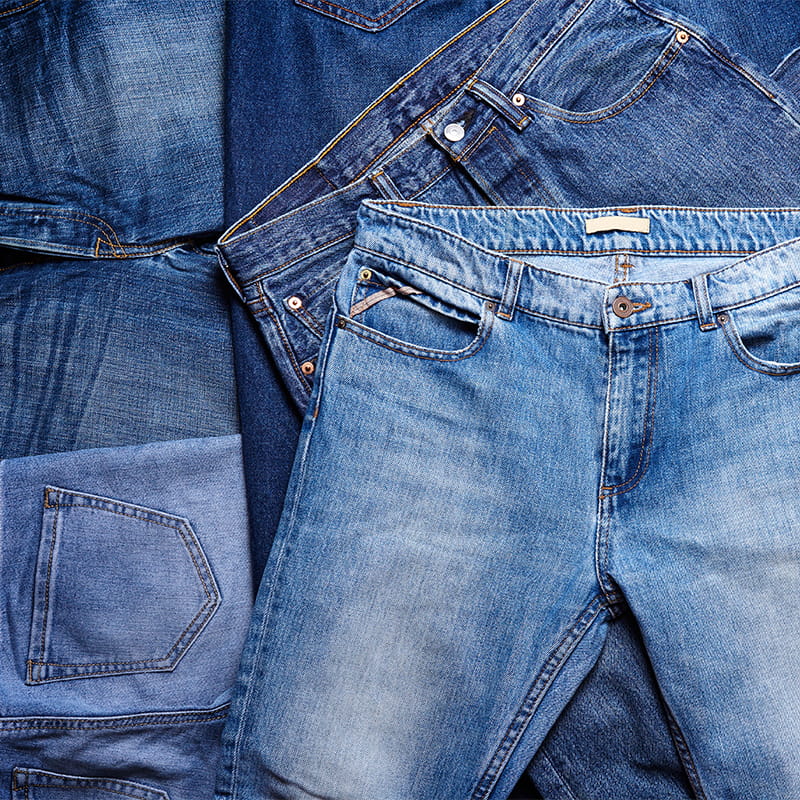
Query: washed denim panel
<point>127,598</point>
<point>106,353</point>
<point>476,586</point>
<point>112,123</point>
<point>283,104</point>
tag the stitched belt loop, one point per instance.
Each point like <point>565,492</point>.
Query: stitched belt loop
<point>705,314</point>
<point>510,290</point>
<point>386,186</point>
<point>500,103</point>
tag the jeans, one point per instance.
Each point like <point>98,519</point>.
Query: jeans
<point>571,420</point>
<point>124,541</point>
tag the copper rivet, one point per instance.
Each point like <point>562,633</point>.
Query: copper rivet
<point>683,37</point>
<point>518,99</point>
<point>307,367</point>
<point>622,307</point>
<point>722,318</point>
<point>340,323</point>
<point>295,302</point>
<point>490,306</point>
<point>365,274</point>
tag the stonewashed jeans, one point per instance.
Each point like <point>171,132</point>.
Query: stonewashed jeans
<point>124,554</point>
<point>524,420</point>
<point>285,267</point>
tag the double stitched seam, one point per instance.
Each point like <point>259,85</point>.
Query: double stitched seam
<point>585,118</point>
<point>75,785</point>
<point>752,363</point>
<point>179,529</point>
<point>541,683</point>
<point>561,779</point>
<point>325,178</point>
<point>304,316</point>
<point>19,8</point>
<point>356,122</point>
<point>502,139</point>
<point>647,432</point>
<point>284,339</point>
<point>95,723</point>
<point>382,340</point>
<point>410,3</point>
<point>430,183</point>
<point>684,754</point>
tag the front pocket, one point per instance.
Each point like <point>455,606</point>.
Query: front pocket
<point>36,784</point>
<point>407,319</point>
<point>119,588</point>
<point>765,335</point>
<point>369,15</point>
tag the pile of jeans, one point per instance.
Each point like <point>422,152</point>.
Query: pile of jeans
<point>464,464</point>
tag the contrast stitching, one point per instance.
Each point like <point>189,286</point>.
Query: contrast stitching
<point>325,178</point>
<point>19,8</point>
<point>751,362</point>
<point>588,117</point>
<point>516,158</point>
<point>286,344</point>
<point>318,5</point>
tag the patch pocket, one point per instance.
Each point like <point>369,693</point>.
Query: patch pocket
<point>36,784</point>
<point>765,335</point>
<point>608,59</point>
<point>118,589</point>
<point>406,319</point>
<point>368,15</point>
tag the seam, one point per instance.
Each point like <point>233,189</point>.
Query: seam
<point>538,688</point>
<point>91,723</point>
<point>561,779</point>
<point>647,434</point>
<point>19,8</point>
<point>636,94</point>
<point>319,5</point>
<point>517,159</point>
<point>684,753</point>
<point>355,123</point>
<point>325,178</point>
<point>754,364</point>
<point>447,356</point>
<point>430,183</point>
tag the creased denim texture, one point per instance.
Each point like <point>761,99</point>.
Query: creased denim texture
<point>553,454</point>
<point>124,538</point>
<point>358,150</point>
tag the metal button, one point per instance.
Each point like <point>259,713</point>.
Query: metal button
<point>622,307</point>
<point>307,367</point>
<point>454,132</point>
<point>682,37</point>
<point>295,302</point>
<point>365,274</point>
<point>518,99</point>
<point>722,318</point>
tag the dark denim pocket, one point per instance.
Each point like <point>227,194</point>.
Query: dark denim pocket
<point>119,589</point>
<point>369,15</point>
<point>36,784</point>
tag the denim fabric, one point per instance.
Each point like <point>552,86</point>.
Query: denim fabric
<point>585,419</point>
<point>124,539</point>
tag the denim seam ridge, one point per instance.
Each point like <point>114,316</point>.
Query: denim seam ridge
<point>104,226</point>
<point>326,178</point>
<point>754,364</point>
<point>138,796</point>
<point>684,753</point>
<point>284,338</point>
<point>9,724</point>
<point>410,3</point>
<point>354,124</point>
<point>559,777</point>
<point>792,210</point>
<point>437,177</point>
<point>503,140</point>
<point>636,94</point>
<point>646,443</point>
<point>541,683</point>
<point>19,8</point>
<point>447,356</point>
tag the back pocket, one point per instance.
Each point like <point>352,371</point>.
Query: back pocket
<point>35,784</point>
<point>369,15</point>
<point>119,588</point>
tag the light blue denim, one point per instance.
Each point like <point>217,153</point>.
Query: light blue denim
<point>519,427</point>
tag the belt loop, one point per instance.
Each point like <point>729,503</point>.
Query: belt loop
<point>702,302</point>
<point>499,102</point>
<point>510,290</point>
<point>386,186</point>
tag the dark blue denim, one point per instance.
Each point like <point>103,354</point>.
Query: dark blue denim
<point>124,541</point>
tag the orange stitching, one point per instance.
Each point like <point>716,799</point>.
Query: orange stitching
<point>286,344</point>
<point>320,6</point>
<point>515,156</point>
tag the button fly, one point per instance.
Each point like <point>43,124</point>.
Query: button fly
<point>622,307</point>
<point>454,132</point>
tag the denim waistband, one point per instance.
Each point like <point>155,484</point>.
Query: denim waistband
<point>391,118</point>
<point>493,252</point>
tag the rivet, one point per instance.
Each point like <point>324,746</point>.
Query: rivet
<point>490,306</point>
<point>722,318</point>
<point>454,132</point>
<point>518,99</point>
<point>622,307</point>
<point>294,302</point>
<point>307,367</point>
<point>340,323</point>
<point>682,37</point>
<point>365,274</point>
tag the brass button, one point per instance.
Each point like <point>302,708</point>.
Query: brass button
<point>518,99</point>
<point>454,132</point>
<point>622,307</point>
<point>295,302</point>
<point>682,37</point>
<point>722,318</point>
<point>307,368</point>
<point>365,274</point>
